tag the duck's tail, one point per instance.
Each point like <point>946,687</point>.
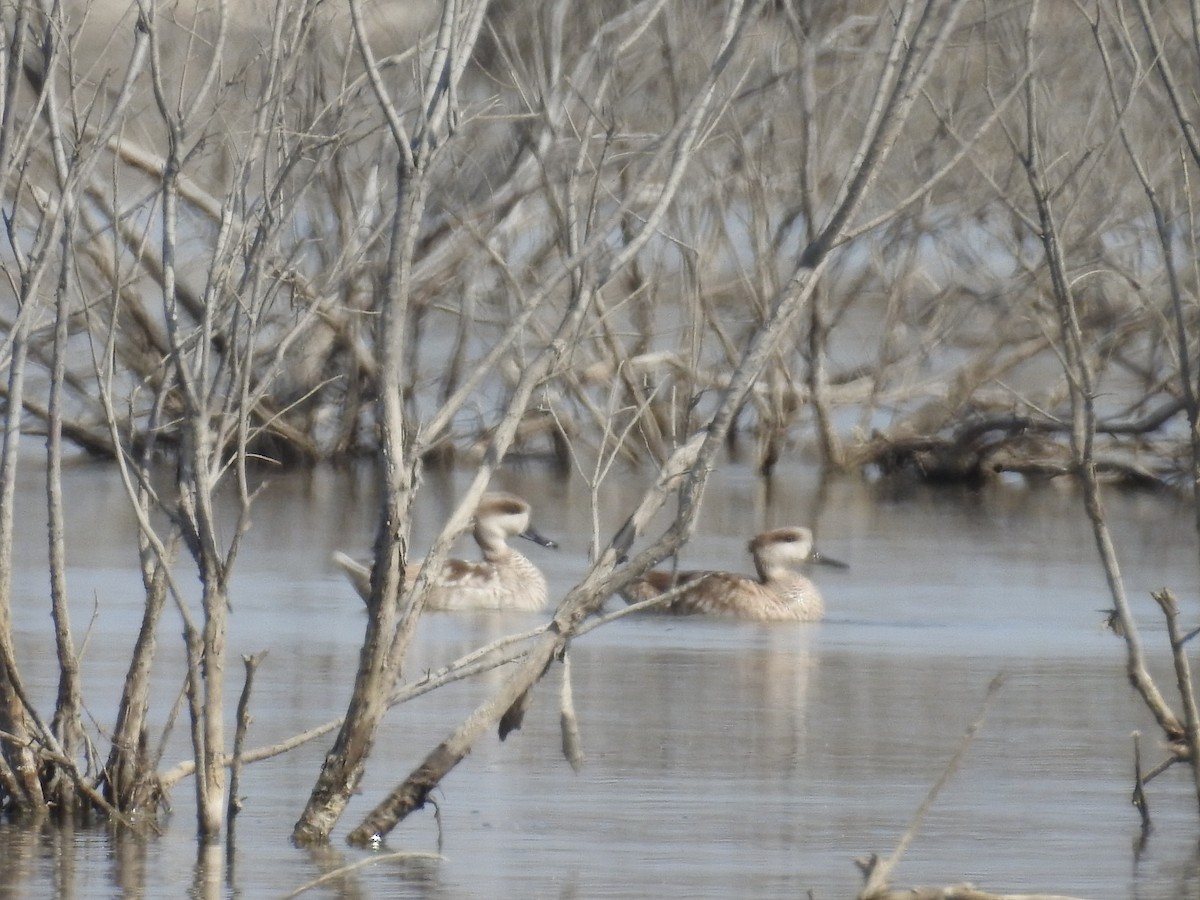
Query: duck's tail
<point>359,573</point>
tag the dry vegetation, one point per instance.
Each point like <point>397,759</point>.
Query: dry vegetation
<point>939,239</point>
<point>931,344</point>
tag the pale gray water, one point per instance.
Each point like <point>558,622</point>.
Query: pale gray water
<point>722,759</point>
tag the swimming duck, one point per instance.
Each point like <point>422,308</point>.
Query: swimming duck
<point>780,593</point>
<point>502,579</point>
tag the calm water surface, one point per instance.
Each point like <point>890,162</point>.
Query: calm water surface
<point>722,759</point>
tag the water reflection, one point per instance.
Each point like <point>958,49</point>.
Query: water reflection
<point>706,694</point>
<point>208,873</point>
<point>342,875</point>
<point>722,759</point>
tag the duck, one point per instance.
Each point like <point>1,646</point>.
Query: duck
<point>780,593</point>
<point>502,579</point>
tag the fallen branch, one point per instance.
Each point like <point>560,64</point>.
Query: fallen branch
<point>1183,680</point>
<point>510,700</point>
<point>878,872</point>
<point>473,663</point>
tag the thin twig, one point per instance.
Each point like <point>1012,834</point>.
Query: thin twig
<point>879,872</point>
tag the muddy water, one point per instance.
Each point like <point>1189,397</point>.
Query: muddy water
<point>722,759</point>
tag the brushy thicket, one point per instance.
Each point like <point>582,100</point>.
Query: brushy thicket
<point>930,347</point>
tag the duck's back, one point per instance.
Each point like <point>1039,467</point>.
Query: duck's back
<point>654,583</point>
<point>513,583</point>
<point>790,598</point>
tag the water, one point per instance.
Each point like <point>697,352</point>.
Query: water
<point>722,759</point>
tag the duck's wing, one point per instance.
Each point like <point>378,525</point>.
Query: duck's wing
<point>731,596</point>
<point>467,585</point>
<point>658,582</point>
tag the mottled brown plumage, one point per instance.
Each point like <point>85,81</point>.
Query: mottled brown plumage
<point>502,579</point>
<point>780,593</point>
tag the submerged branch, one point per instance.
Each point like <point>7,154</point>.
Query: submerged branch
<point>878,872</point>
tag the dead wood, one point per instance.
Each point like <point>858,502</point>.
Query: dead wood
<point>1138,796</point>
<point>981,444</point>
<point>223,325</point>
<point>251,664</point>
<point>1183,683</point>
<point>572,739</point>
<point>899,83</point>
<point>687,466</point>
<point>877,872</point>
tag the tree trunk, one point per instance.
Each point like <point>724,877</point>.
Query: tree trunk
<point>376,676</point>
<point>21,768</point>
